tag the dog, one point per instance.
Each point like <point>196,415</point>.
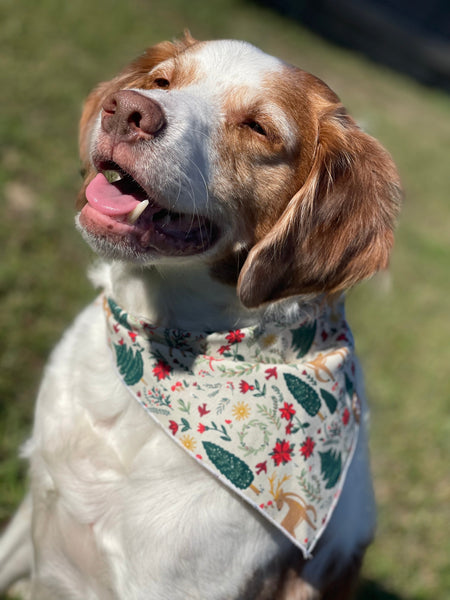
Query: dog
<point>229,196</point>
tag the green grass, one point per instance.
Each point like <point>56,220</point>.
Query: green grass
<point>51,54</point>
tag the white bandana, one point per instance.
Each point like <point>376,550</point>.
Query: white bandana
<point>271,410</point>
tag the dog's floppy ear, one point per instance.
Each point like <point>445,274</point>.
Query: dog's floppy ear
<point>132,76</point>
<point>338,228</point>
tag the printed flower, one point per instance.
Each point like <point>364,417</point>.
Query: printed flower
<point>177,386</point>
<point>188,442</point>
<point>307,448</point>
<point>201,428</point>
<point>223,349</point>
<point>241,411</point>
<point>260,467</point>
<point>245,387</point>
<point>234,337</point>
<point>282,453</point>
<point>132,335</point>
<point>287,412</point>
<point>268,340</point>
<point>173,427</point>
<point>161,370</point>
<point>346,416</point>
<point>289,428</point>
<point>272,372</point>
<point>203,410</point>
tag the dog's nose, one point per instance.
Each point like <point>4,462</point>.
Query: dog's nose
<point>131,116</point>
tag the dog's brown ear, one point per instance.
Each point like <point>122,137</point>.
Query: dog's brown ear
<point>337,229</point>
<point>132,76</point>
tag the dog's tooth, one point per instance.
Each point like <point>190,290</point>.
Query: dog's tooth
<point>134,215</point>
<point>112,176</point>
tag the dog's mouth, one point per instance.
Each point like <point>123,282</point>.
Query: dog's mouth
<point>123,213</point>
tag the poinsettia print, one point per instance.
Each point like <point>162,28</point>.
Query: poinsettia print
<point>282,453</point>
<point>248,405</point>
<point>161,370</point>
<point>307,448</point>
<point>287,411</point>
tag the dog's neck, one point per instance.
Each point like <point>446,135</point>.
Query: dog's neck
<point>177,295</point>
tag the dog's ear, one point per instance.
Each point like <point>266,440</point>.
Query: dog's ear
<point>133,75</point>
<point>338,228</point>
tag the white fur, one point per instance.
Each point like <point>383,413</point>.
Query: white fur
<point>119,510</point>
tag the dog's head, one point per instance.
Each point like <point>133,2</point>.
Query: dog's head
<point>229,155</point>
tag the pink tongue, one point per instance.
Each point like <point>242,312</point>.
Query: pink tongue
<point>107,199</point>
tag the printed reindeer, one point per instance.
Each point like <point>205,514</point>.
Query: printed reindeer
<point>298,509</point>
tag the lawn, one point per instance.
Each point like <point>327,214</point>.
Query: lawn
<point>51,54</point>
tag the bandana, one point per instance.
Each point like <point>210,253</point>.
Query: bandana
<point>271,410</point>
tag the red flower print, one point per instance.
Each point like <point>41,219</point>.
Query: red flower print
<point>260,467</point>
<point>272,372</point>
<point>289,428</point>
<point>161,370</point>
<point>203,410</point>
<point>173,427</point>
<point>176,386</point>
<point>245,387</point>
<point>307,447</point>
<point>132,335</point>
<point>201,428</point>
<point>228,421</point>
<point>281,454</point>
<point>287,412</point>
<point>234,337</point>
<point>223,349</point>
<point>346,416</point>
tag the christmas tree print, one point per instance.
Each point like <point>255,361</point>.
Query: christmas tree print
<point>234,469</point>
<point>330,466</point>
<point>303,337</point>
<point>305,395</point>
<point>130,365</point>
<point>330,401</point>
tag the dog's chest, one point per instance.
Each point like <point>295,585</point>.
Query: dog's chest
<point>129,496</point>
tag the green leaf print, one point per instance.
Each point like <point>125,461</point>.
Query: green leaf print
<point>119,314</point>
<point>330,401</point>
<point>130,365</point>
<point>303,337</point>
<point>330,466</point>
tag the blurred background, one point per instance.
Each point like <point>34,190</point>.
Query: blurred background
<point>389,62</point>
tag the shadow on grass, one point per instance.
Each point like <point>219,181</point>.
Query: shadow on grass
<point>371,590</point>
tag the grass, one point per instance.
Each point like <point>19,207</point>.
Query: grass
<point>51,54</point>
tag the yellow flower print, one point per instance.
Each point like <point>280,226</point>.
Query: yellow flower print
<point>269,340</point>
<point>188,442</point>
<point>241,411</point>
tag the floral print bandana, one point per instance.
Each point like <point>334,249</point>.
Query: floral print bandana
<point>271,410</point>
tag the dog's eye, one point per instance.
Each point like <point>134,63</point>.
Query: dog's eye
<point>255,126</point>
<point>162,82</point>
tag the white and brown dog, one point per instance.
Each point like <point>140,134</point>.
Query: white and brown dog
<point>244,195</point>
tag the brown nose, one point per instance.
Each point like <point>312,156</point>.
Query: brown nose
<point>131,116</point>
